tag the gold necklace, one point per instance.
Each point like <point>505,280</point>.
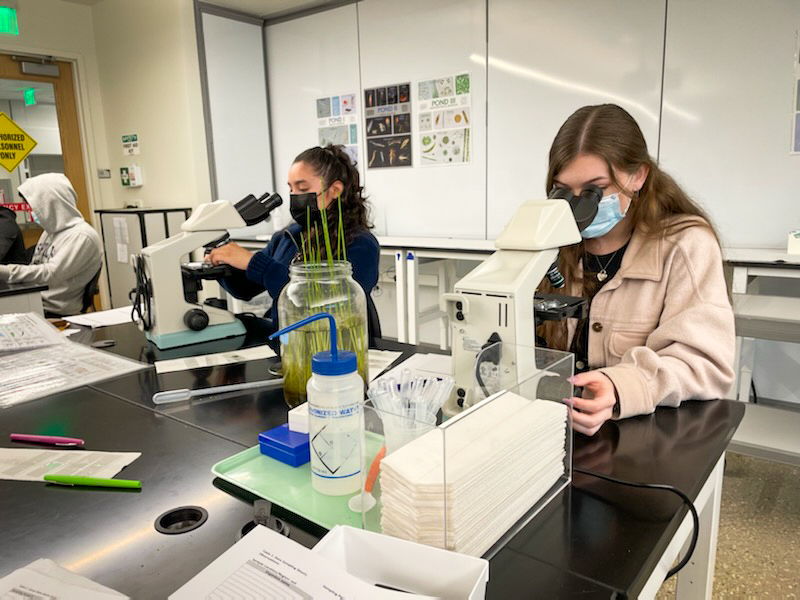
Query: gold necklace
<point>602,275</point>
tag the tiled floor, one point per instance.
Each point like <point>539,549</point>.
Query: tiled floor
<point>758,553</point>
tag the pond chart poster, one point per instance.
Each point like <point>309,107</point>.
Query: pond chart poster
<point>388,126</point>
<point>444,120</point>
<point>337,123</point>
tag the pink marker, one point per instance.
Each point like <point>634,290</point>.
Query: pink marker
<point>52,440</point>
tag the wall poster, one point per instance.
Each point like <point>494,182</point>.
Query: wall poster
<point>388,126</point>
<point>337,123</point>
<point>444,120</point>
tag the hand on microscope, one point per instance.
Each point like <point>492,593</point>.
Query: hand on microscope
<point>596,406</point>
<point>230,254</point>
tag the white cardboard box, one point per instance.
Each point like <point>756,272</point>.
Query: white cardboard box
<point>298,418</point>
<point>403,565</point>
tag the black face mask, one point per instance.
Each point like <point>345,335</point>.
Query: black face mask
<point>299,205</point>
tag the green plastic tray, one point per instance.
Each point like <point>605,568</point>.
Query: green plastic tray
<point>290,487</point>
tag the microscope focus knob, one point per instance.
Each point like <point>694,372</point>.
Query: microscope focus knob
<point>196,319</point>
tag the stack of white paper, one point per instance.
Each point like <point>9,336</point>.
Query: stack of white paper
<point>36,360</point>
<point>32,464</point>
<point>54,369</point>
<point>423,365</point>
<point>45,579</point>
<point>494,465</point>
<point>266,565</point>
<point>27,331</point>
<point>213,360</point>
<point>103,318</point>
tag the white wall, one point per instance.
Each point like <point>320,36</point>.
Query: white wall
<point>728,111</point>
<point>308,58</point>
<point>148,64</point>
<point>547,59</point>
<point>425,40</point>
<point>65,30</point>
<point>137,71</point>
<point>237,100</point>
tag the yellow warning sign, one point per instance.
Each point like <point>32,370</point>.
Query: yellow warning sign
<point>15,144</point>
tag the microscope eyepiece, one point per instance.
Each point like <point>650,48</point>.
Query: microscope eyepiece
<point>254,210</point>
<point>270,201</point>
<point>584,205</point>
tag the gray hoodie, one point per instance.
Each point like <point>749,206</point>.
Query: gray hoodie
<point>68,254</point>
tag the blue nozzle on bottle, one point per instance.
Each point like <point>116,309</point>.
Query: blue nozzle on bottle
<point>333,362</point>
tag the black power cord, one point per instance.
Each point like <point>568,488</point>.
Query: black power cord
<point>659,486</point>
<point>142,295</point>
<point>492,357</point>
<point>753,388</point>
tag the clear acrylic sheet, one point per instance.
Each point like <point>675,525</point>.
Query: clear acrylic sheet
<point>470,483</point>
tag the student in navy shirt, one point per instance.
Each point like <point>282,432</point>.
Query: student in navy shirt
<point>317,177</point>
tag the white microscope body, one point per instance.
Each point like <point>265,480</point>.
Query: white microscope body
<point>168,311</point>
<point>496,299</point>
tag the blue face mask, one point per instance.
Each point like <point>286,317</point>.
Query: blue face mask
<point>609,213</point>
<point>35,218</point>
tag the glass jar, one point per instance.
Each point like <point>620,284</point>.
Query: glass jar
<point>315,288</point>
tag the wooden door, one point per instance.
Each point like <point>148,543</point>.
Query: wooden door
<point>67,113</point>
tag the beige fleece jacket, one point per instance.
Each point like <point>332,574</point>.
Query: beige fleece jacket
<point>662,328</point>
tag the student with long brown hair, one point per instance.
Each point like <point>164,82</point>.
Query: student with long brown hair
<point>660,328</point>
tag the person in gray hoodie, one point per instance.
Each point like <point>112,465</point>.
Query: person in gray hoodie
<point>69,253</point>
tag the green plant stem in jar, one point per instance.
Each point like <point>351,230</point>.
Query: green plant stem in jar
<point>314,288</point>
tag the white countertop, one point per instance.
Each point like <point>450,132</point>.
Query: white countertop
<point>754,255</point>
<point>773,308</point>
<point>759,255</point>
<point>455,244</point>
<point>437,243</point>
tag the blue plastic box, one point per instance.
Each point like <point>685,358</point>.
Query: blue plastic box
<point>287,446</point>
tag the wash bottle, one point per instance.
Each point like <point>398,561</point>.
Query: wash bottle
<point>335,398</point>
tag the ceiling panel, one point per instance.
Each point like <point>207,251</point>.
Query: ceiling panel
<point>270,9</point>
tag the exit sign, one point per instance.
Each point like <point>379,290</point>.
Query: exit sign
<point>8,21</point>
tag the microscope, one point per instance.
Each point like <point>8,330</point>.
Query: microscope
<point>493,310</point>
<point>167,284</point>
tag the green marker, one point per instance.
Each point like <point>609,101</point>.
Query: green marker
<point>92,481</point>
